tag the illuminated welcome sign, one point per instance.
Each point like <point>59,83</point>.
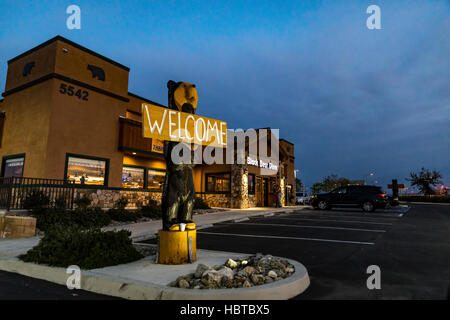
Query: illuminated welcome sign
<point>262,164</point>
<point>167,124</point>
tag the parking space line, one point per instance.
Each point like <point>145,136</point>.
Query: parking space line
<point>347,216</point>
<point>297,226</point>
<point>287,238</point>
<point>343,221</point>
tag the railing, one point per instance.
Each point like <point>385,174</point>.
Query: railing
<point>15,190</point>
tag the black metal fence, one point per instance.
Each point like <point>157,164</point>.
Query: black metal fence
<point>15,190</point>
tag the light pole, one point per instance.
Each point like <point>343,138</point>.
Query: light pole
<point>370,174</point>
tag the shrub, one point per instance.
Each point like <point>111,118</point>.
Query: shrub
<point>199,203</point>
<point>123,215</point>
<point>121,203</point>
<point>83,202</point>
<point>152,210</point>
<point>83,218</point>
<point>91,217</point>
<point>60,203</point>
<point>36,201</point>
<point>88,249</point>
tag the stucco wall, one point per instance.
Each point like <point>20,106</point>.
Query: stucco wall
<point>26,127</point>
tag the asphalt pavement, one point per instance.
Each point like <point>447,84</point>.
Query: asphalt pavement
<point>411,248</point>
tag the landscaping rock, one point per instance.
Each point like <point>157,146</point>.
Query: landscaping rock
<point>226,273</point>
<point>258,279</point>
<point>212,278</point>
<point>183,284</point>
<point>200,269</point>
<point>272,274</point>
<point>231,264</point>
<point>249,270</point>
<point>238,273</point>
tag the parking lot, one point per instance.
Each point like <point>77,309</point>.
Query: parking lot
<point>411,248</point>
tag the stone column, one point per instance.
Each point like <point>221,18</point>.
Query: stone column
<point>239,186</point>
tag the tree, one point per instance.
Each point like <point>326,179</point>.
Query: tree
<point>425,179</point>
<point>298,184</point>
<point>329,183</point>
<point>316,188</point>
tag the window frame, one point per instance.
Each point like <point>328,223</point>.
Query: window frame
<point>136,167</point>
<point>217,173</point>
<point>87,157</point>
<point>13,156</point>
<point>146,177</point>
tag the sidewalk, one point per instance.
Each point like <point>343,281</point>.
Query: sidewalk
<point>146,280</point>
<point>147,230</point>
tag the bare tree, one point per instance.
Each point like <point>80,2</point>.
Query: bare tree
<point>425,179</point>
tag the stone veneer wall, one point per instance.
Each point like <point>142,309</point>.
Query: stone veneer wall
<point>220,200</point>
<point>239,186</point>
<point>107,198</point>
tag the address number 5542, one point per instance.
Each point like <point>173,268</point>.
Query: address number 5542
<point>71,91</point>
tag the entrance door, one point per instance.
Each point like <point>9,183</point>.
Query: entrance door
<point>265,193</point>
<point>258,192</point>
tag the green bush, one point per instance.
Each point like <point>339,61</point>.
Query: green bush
<point>123,215</point>
<point>60,203</point>
<point>152,210</point>
<point>121,203</point>
<point>83,218</point>
<point>36,201</point>
<point>88,249</point>
<point>83,202</point>
<point>199,203</point>
<point>432,198</point>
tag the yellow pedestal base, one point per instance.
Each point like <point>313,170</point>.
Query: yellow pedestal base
<point>174,246</point>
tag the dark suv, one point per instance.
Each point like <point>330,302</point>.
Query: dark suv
<point>368,198</point>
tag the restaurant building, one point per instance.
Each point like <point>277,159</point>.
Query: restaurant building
<point>67,114</point>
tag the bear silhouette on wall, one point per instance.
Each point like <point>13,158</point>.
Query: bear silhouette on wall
<point>97,72</point>
<point>178,192</point>
<point>27,68</point>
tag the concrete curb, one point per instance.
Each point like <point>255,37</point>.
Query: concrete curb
<point>438,203</point>
<point>138,290</point>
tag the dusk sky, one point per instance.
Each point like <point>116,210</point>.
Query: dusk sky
<point>352,100</point>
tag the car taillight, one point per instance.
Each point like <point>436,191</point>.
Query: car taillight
<point>382,195</point>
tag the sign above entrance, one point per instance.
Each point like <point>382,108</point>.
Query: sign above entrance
<point>262,164</point>
<point>167,124</point>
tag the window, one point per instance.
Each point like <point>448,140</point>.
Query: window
<point>218,182</point>
<point>89,170</point>
<point>155,179</point>
<point>251,183</point>
<point>13,166</point>
<point>340,190</point>
<point>133,178</point>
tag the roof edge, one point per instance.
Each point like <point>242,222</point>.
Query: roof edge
<point>76,45</point>
<point>146,100</point>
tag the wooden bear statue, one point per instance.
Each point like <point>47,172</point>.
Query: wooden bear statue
<point>178,193</point>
